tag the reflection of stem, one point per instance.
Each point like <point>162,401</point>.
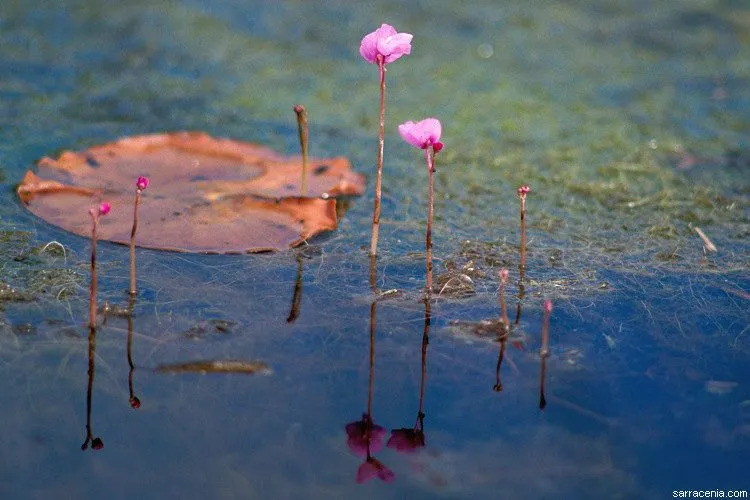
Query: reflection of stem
<point>302,127</point>
<point>135,403</point>
<point>503,309</point>
<point>92,291</point>
<point>133,289</point>
<point>373,313</point>
<point>542,400</point>
<point>430,157</point>
<point>498,384</point>
<point>96,443</point>
<point>544,352</point>
<point>297,296</point>
<point>521,293</point>
<point>425,340</point>
<point>379,178</point>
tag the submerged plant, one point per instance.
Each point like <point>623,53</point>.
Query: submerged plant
<point>141,184</point>
<point>426,135</point>
<point>381,47</point>
<point>302,128</point>
<point>95,213</point>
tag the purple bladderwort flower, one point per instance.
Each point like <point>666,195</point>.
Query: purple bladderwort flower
<point>385,42</point>
<point>141,184</point>
<point>426,135</point>
<point>95,213</point>
<point>372,467</point>
<point>364,436</point>
<point>423,135</point>
<point>381,47</point>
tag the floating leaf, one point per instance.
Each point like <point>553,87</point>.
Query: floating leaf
<point>207,194</point>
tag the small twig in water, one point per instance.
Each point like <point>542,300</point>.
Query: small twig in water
<point>707,243</point>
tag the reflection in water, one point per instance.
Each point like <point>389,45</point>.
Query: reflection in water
<point>135,403</point>
<point>408,439</point>
<point>506,329</point>
<point>96,442</point>
<point>364,437</point>
<point>544,352</point>
<point>297,296</point>
<point>498,387</point>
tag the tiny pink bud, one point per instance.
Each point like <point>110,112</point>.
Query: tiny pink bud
<point>548,306</point>
<point>504,275</point>
<point>142,183</point>
<point>104,208</point>
<point>524,190</point>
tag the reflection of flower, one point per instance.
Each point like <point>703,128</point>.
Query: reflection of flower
<point>385,42</point>
<point>372,467</point>
<point>406,440</point>
<point>364,436</point>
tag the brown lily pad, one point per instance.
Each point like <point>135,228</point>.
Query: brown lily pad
<point>206,194</point>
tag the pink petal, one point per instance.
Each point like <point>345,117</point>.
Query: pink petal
<point>422,134</point>
<point>386,474</point>
<point>366,471</point>
<point>395,46</point>
<point>104,208</point>
<point>433,129</point>
<point>408,133</point>
<point>387,42</point>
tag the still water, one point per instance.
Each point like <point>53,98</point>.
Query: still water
<point>630,121</point>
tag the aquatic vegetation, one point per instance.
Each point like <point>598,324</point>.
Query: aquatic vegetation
<point>426,135</point>
<point>382,47</point>
<point>141,184</point>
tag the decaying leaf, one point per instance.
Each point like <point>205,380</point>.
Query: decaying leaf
<point>217,366</point>
<point>206,195</point>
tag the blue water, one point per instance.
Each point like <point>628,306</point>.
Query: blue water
<point>596,106</point>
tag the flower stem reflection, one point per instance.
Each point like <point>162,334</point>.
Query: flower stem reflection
<point>409,439</point>
<point>96,442</point>
<point>364,436</point>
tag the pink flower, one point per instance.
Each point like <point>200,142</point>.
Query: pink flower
<point>524,190</point>
<point>424,134</point>
<point>142,183</point>
<point>406,440</point>
<point>373,467</point>
<point>364,433</point>
<point>385,42</point>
